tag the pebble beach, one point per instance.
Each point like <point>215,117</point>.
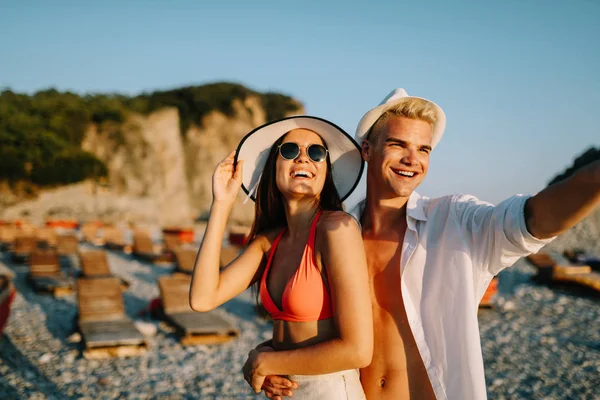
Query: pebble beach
<point>539,342</point>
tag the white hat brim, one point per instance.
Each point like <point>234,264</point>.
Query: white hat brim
<point>344,153</point>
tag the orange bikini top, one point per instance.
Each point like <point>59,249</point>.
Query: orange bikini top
<point>305,297</point>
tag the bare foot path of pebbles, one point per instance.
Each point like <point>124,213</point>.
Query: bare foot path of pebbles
<point>37,360</point>
<point>539,342</point>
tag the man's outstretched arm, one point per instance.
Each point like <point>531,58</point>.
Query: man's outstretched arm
<point>561,206</point>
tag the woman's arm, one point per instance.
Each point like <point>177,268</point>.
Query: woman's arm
<point>210,287</point>
<point>340,241</point>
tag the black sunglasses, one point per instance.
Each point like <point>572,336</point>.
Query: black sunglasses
<point>291,150</point>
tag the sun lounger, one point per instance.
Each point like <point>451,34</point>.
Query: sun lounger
<point>184,260</point>
<point>114,239</point>
<point>45,274</point>
<point>67,244</point>
<point>94,264</point>
<point>581,257</point>
<point>89,231</point>
<point>555,268</point>
<point>144,248</point>
<point>193,327</point>
<point>23,247</point>
<point>544,264</point>
<point>8,233</point>
<point>228,254</point>
<point>106,330</point>
<point>490,292</point>
<point>172,242</point>
<point>46,237</point>
<point>185,234</point>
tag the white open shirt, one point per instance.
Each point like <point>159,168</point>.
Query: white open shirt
<point>453,247</point>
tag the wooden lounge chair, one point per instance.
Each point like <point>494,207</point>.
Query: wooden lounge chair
<point>544,264</point>
<point>23,247</point>
<point>146,250</point>
<point>554,268</point>
<point>193,327</point>
<point>67,244</point>
<point>106,330</point>
<point>8,233</point>
<point>46,237</point>
<point>94,264</point>
<point>172,242</point>
<point>90,234</point>
<point>578,256</point>
<point>184,261</point>
<point>490,292</point>
<point>185,234</point>
<point>228,254</point>
<point>114,239</point>
<point>45,274</point>
<point>25,228</point>
<point>185,258</point>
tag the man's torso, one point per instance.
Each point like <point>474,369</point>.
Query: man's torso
<point>397,370</point>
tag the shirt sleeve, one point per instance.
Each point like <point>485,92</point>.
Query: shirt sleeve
<point>496,235</point>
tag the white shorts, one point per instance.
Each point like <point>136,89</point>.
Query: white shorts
<point>343,385</point>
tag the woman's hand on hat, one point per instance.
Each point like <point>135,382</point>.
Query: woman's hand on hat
<point>227,180</point>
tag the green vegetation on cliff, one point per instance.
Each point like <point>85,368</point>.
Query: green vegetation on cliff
<point>588,156</point>
<point>41,134</point>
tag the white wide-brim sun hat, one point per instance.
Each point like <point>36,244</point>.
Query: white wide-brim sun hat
<point>393,99</point>
<point>344,154</point>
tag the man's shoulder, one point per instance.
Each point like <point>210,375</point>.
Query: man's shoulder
<point>454,200</point>
<point>442,206</point>
<point>448,200</point>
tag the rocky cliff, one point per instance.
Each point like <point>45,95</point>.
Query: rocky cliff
<point>159,169</point>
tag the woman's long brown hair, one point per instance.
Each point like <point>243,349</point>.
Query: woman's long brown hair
<point>269,210</point>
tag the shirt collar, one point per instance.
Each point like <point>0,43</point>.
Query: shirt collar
<point>415,208</point>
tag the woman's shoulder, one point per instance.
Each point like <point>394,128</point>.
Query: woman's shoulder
<point>266,239</point>
<point>337,221</point>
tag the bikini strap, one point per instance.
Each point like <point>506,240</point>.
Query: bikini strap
<point>273,248</point>
<point>313,230</point>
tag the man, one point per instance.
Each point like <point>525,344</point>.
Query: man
<point>431,260</point>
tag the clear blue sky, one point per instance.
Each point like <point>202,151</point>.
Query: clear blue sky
<point>518,79</point>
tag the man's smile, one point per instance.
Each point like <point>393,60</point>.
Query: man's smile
<point>404,173</point>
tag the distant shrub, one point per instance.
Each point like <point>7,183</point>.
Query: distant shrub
<point>590,155</point>
<point>67,168</point>
<point>278,105</point>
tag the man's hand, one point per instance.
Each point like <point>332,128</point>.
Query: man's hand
<point>275,387</point>
<point>251,371</point>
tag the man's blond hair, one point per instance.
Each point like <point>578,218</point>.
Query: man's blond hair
<point>413,108</point>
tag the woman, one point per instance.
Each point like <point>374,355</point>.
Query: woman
<point>304,252</point>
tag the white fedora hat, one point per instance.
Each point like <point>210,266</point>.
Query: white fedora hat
<point>344,154</point>
<point>396,97</point>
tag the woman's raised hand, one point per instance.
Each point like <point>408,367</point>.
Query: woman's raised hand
<point>227,180</point>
